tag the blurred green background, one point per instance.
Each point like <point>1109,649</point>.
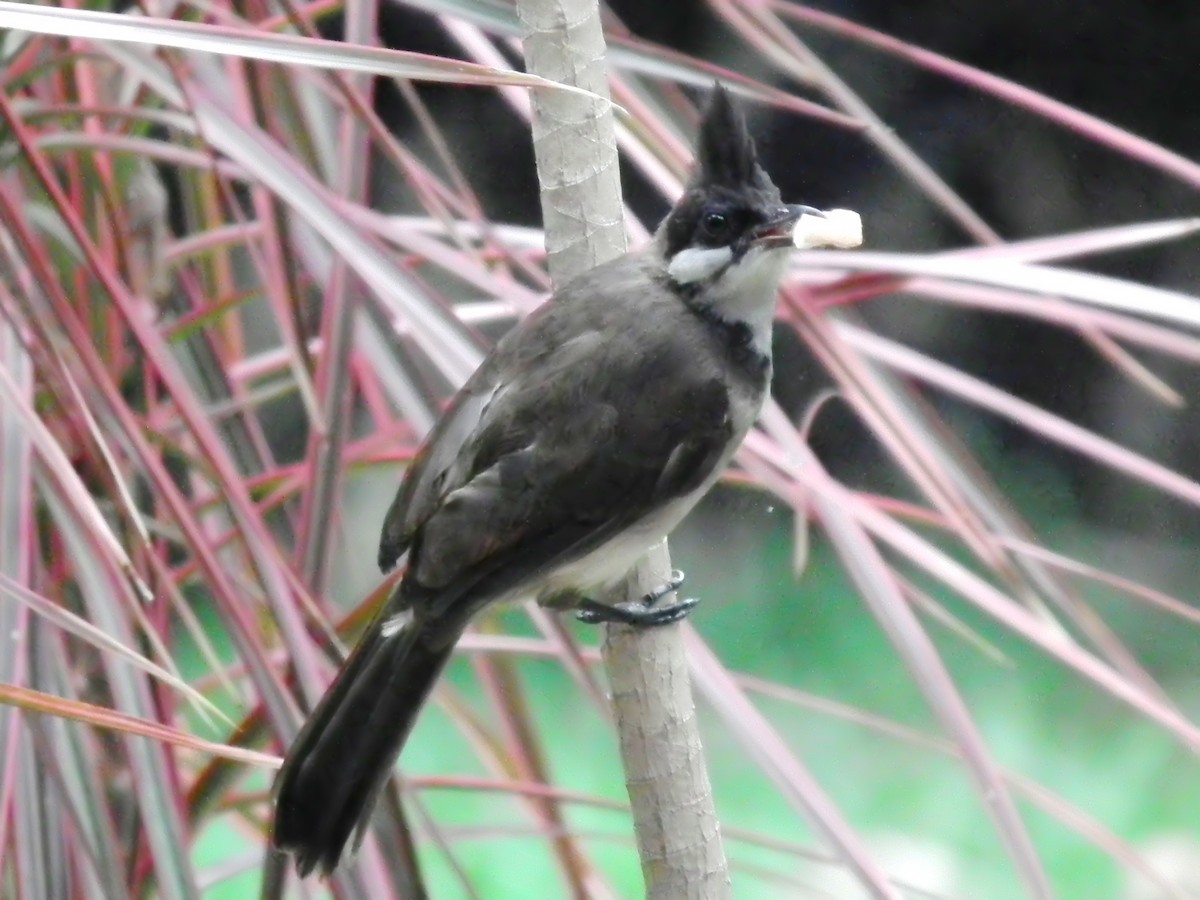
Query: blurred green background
<point>914,806</point>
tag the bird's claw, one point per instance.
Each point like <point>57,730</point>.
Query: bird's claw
<point>643,612</point>
<point>673,583</point>
<point>633,613</point>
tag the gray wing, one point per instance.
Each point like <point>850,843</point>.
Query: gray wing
<point>446,460</point>
<point>424,484</point>
<point>571,449</point>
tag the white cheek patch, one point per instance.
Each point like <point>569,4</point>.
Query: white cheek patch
<point>697,264</point>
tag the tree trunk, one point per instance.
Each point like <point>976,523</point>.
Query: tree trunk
<point>675,822</point>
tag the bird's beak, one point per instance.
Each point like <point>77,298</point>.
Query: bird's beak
<point>777,231</point>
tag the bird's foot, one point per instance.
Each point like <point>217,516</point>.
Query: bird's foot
<point>641,612</point>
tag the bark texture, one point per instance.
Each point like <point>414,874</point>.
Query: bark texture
<point>678,836</point>
<point>573,137</point>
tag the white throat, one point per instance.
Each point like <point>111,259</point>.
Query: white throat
<point>743,292</point>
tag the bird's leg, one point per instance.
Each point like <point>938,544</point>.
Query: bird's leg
<point>641,612</point>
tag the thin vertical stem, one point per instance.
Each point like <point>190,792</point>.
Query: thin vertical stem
<point>675,821</point>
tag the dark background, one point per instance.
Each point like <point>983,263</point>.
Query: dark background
<point>1134,64</point>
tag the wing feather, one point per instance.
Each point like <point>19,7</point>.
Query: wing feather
<point>573,430</point>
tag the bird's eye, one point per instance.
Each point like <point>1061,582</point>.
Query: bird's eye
<point>715,225</point>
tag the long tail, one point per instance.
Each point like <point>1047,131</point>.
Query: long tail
<point>342,758</point>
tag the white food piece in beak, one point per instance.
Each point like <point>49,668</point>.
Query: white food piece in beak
<point>841,228</point>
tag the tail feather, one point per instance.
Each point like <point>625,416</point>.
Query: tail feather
<point>342,758</point>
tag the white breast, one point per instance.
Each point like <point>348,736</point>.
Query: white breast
<point>593,575</point>
<point>746,292</point>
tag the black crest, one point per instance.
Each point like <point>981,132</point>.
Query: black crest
<point>725,152</point>
<point>727,176</point>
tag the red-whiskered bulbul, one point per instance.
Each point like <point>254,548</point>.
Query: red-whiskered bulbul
<point>581,441</point>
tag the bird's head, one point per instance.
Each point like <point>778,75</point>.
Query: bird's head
<point>725,242</point>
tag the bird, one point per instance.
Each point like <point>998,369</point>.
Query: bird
<point>581,441</point>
